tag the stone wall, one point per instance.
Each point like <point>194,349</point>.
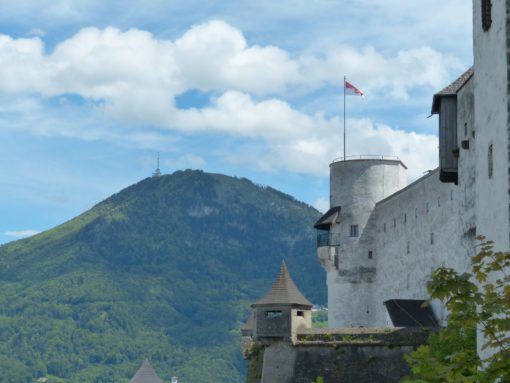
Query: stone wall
<point>340,355</point>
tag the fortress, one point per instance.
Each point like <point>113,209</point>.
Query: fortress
<point>380,239</point>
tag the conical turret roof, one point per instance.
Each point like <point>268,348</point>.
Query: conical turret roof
<point>283,291</point>
<point>146,374</point>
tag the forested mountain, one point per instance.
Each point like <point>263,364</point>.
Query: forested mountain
<point>165,269</point>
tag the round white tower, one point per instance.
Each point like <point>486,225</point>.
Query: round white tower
<point>346,234</point>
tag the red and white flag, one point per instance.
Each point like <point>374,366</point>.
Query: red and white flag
<point>351,90</point>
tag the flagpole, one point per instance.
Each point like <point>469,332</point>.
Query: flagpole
<point>344,117</point>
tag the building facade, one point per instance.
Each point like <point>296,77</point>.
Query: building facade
<point>381,239</point>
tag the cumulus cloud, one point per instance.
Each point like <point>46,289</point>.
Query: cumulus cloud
<point>135,77</point>
<point>21,233</point>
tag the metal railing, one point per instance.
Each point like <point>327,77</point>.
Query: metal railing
<point>367,157</point>
<point>328,239</point>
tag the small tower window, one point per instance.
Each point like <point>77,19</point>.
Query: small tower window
<point>431,238</point>
<point>438,201</point>
<point>486,14</point>
<point>370,254</point>
<point>384,228</point>
<point>300,313</point>
<point>354,231</point>
<point>465,129</point>
<point>490,161</point>
<point>273,314</point>
<point>405,218</point>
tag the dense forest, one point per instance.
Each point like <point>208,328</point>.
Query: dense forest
<point>165,269</point>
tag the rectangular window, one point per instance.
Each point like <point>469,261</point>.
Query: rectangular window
<point>370,254</point>
<point>354,231</point>
<point>431,238</point>
<point>300,313</point>
<point>405,218</point>
<point>384,228</point>
<point>451,195</point>
<point>439,201</point>
<point>490,161</point>
<point>465,129</point>
<point>408,248</point>
<point>394,222</point>
<point>273,314</point>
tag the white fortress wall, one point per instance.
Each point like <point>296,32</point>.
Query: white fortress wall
<point>417,231</point>
<point>491,124</point>
<point>356,186</point>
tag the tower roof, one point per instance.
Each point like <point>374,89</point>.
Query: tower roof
<point>283,291</point>
<point>452,89</point>
<point>146,374</point>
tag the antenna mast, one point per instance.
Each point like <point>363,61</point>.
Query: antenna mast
<point>157,172</point>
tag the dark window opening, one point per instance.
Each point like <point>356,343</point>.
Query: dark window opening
<point>490,161</point>
<point>384,228</point>
<point>273,314</point>
<point>300,313</point>
<point>486,15</point>
<point>439,201</point>
<point>370,254</point>
<point>465,129</point>
<point>431,238</point>
<point>354,231</point>
<point>405,218</point>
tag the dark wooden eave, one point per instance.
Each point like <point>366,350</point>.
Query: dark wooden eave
<point>330,217</point>
<point>451,90</point>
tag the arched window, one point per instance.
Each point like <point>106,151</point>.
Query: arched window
<point>486,15</point>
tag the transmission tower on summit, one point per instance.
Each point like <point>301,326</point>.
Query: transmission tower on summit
<point>157,172</point>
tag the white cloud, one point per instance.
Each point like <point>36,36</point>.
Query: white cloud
<point>121,68</point>
<point>134,77</point>
<point>21,233</point>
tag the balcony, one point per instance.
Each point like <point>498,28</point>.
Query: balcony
<point>328,239</point>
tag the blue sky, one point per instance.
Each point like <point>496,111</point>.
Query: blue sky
<point>90,91</point>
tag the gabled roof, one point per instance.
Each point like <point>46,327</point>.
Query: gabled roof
<point>410,313</point>
<point>331,216</point>
<point>283,291</point>
<point>146,374</point>
<point>452,89</point>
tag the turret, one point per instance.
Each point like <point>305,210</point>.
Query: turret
<point>282,312</point>
<point>346,235</point>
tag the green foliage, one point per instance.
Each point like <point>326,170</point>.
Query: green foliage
<point>478,300</point>
<point>320,319</point>
<point>166,269</point>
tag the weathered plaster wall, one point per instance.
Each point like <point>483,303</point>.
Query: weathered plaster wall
<point>356,186</point>
<point>417,231</point>
<point>491,124</point>
<point>492,127</point>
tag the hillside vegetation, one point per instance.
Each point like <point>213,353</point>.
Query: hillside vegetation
<point>165,269</point>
